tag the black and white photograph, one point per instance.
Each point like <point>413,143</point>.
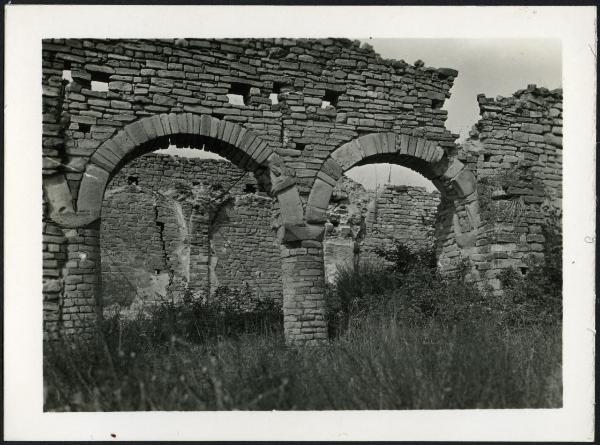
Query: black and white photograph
<point>306,222</point>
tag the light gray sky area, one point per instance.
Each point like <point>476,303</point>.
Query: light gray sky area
<point>490,66</point>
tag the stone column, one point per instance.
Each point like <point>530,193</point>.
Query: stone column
<point>199,253</point>
<point>303,294</point>
<point>82,301</point>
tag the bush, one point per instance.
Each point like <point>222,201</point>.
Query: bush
<point>412,289</point>
<point>536,296</point>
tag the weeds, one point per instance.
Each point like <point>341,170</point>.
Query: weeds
<point>403,338</point>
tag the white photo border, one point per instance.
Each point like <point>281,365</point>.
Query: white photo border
<point>27,25</point>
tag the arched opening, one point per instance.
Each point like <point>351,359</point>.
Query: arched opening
<point>183,221</point>
<point>457,215</point>
<point>241,146</point>
<point>374,206</point>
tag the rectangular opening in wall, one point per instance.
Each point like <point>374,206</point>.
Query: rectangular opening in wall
<point>250,188</point>
<point>99,81</point>
<point>84,128</point>
<point>486,157</point>
<point>331,97</point>
<point>437,104</point>
<point>239,94</point>
<point>300,146</point>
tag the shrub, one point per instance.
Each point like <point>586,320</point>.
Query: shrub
<point>536,296</point>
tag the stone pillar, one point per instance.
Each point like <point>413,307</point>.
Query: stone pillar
<point>199,254</point>
<point>54,258</point>
<point>82,301</point>
<point>303,294</point>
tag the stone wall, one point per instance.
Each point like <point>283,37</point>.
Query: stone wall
<point>365,94</point>
<point>145,236</point>
<point>515,149</point>
<point>149,250</point>
<point>244,249</point>
<point>400,213</point>
<point>338,104</point>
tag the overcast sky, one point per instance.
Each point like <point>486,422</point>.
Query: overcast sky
<point>493,67</point>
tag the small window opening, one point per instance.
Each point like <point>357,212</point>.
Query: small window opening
<point>66,76</point>
<point>524,270</point>
<point>300,146</point>
<point>250,188</point>
<point>277,87</point>
<point>274,98</point>
<point>437,104</point>
<point>239,94</point>
<point>486,157</point>
<point>84,128</point>
<point>132,180</point>
<point>157,271</point>
<point>99,81</point>
<point>331,97</point>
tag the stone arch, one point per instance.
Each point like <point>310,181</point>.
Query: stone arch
<point>456,183</point>
<point>242,146</point>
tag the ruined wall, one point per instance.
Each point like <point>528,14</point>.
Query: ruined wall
<point>515,149</point>
<point>338,104</point>
<point>244,249</point>
<point>147,232</point>
<point>400,213</point>
<point>361,222</point>
<point>145,77</point>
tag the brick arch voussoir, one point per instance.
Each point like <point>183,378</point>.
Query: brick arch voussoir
<point>242,146</point>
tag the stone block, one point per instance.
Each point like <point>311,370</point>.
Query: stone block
<point>332,169</point>
<point>122,142</point>
<point>412,145</point>
<point>464,183</point>
<point>404,143</point>
<point>182,122</point>
<point>91,190</point>
<point>58,194</point>
<point>293,232</point>
<point>315,215</point>
<point>453,168</point>
<point>105,159</point>
<point>137,133</point>
<point>290,206</point>
<point>420,147</point>
<point>368,145</point>
<point>348,155</point>
<point>205,125</point>
<point>320,194</point>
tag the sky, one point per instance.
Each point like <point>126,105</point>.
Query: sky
<point>490,66</point>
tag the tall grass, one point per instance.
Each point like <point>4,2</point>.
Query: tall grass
<point>401,338</point>
<point>379,364</point>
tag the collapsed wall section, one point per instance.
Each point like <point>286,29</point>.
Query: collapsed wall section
<point>515,150</point>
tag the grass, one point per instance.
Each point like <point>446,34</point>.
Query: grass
<point>376,364</point>
<point>401,338</point>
